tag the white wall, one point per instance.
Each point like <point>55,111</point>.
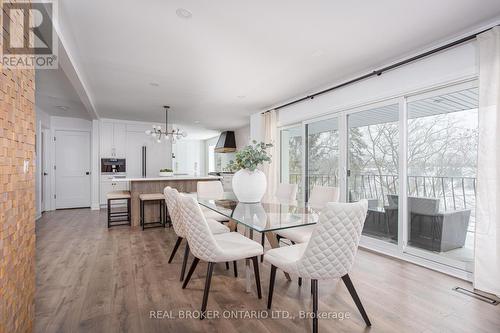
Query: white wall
<point>242,136</point>
<point>66,123</point>
<point>256,127</point>
<point>453,64</point>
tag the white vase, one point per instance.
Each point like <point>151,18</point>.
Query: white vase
<point>249,186</point>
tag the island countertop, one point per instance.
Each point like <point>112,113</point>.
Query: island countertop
<point>172,178</point>
<point>154,185</point>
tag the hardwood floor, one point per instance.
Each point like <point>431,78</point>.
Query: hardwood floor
<point>91,279</point>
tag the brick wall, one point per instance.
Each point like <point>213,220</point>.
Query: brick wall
<point>17,199</point>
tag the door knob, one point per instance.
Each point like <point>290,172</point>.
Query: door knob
<point>45,174</point>
<point>87,173</point>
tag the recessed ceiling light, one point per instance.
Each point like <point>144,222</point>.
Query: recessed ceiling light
<point>63,107</point>
<point>183,13</point>
<point>154,84</point>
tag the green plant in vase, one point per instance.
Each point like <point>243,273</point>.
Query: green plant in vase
<point>249,183</point>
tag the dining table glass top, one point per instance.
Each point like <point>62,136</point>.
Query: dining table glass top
<point>263,216</point>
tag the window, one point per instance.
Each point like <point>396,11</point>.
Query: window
<point>413,158</point>
<point>442,168</point>
<point>322,153</point>
<point>211,158</point>
<point>373,154</point>
<point>291,156</point>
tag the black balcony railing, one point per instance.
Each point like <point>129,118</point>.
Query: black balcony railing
<point>454,193</point>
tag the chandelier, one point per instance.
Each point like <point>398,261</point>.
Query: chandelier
<point>158,133</point>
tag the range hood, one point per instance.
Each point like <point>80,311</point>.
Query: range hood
<point>226,143</point>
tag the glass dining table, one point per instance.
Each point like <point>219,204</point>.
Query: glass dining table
<point>263,217</point>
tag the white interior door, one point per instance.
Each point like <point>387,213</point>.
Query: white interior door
<point>72,169</point>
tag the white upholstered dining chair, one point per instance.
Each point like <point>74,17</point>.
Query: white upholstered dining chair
<point>285,194</point>
<point>214,249</point>
<point>172,198</point>
<point>320,195</point>
<point>211,190</point>
<point>329,253</point>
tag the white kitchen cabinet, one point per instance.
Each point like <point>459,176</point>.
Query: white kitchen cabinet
<point>113,140</point>
<point>120,140</point>
<point>108,185</point>
<point>189,157</point>
<point>106,139</point>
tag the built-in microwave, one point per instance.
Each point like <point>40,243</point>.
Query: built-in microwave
<point>113,165</point>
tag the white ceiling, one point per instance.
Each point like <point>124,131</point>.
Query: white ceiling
<point>233,58</point>
<point>53,91</point>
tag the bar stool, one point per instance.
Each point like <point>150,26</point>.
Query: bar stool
<point>152,198</point>
<point>118,217</point>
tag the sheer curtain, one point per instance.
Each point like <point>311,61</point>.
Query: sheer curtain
<point>487,240</point>
<point>271,136</point>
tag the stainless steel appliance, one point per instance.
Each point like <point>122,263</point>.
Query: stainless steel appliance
<point>113,166</point>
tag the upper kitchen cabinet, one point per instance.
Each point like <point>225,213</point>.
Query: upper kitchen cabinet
<point>113,140</point>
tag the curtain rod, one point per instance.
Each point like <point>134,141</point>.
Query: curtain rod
<point>384,69</point>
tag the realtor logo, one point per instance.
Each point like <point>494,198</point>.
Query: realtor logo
<point>28,37</point>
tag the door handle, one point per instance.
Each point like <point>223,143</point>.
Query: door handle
<point>45,174</point>
<point>87,173</point>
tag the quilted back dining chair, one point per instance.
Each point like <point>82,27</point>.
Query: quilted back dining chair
<point>329,254</point>
<point>214,249</point>
<point>171,195</point>
<point>172,198</point>
<point>320,195</point>
<point>211,189</point>
<point>286,193</point>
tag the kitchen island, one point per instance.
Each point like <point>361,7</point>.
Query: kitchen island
<point>140,186</point>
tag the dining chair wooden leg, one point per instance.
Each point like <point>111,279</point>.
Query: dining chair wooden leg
<point>314,284</point>
<point>262,242</point>
<point>300,281</point>
<point>355,297</point>
<point>208,279</point>
<point>227,265</point>
<point>176,246</point>
<point>235,267</point>
<point>190,272</point>
<point>257,276</point>
<point>271,287</point>
<point>184,262</point>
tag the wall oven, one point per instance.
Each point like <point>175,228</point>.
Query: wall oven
<point>113,166</point>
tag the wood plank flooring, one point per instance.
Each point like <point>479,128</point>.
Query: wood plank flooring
<point>91,279</point>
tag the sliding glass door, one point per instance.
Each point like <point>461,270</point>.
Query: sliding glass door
<point>322,158</point>
<point>291,149</point>
<point>442,168</point>
<point>373,168</point>
<point>414,158</point>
